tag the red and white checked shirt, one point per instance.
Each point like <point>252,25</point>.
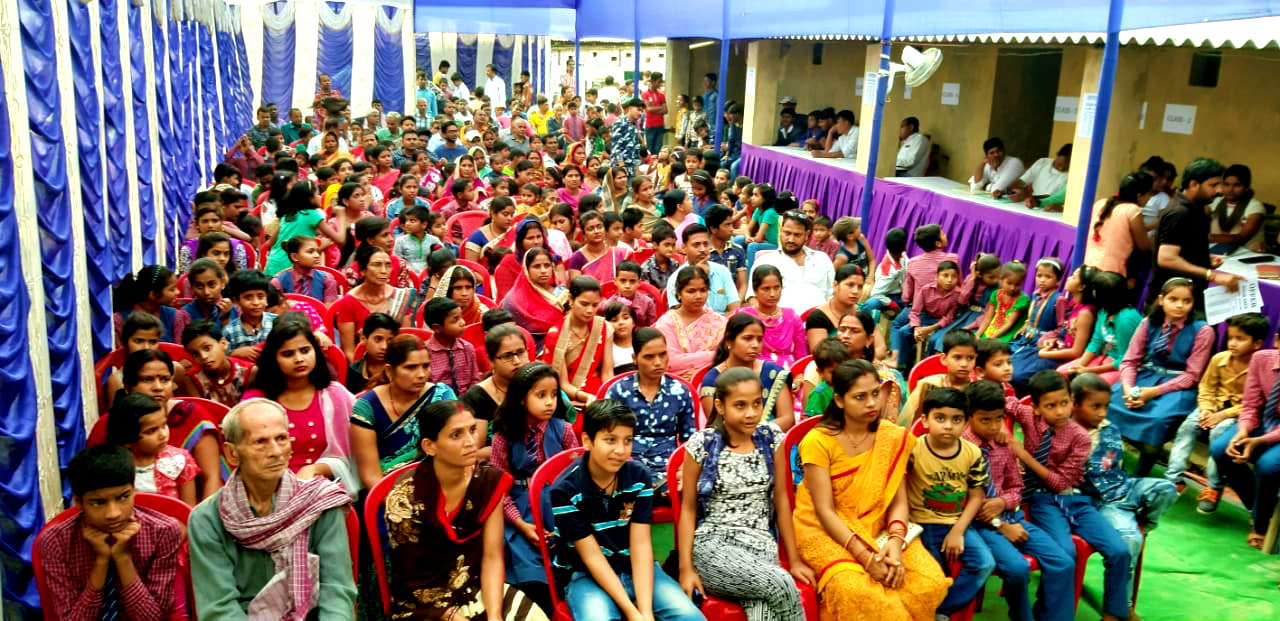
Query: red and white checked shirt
<point>1068,450</point>
<point>454,367</point>
<point>1003,467</point>
<point>939,305</point>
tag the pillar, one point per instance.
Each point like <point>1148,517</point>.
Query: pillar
<point>764,72</point>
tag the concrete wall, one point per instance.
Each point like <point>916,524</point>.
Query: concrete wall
<point>686,69</point>
<point>1026,87</point>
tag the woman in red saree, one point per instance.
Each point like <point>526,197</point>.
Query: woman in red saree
<point>580,349</point>
<point>528,234</point>
<point>537,301</point>
<point>595,258</point>
<point>384,175</point>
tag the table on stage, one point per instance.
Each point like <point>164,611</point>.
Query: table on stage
<point>1270,289</point>
<point>973,223</point>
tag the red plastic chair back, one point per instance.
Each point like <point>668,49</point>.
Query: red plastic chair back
<point>480,272</point>
<point>797,380</point>
<point>789,442</point>
<point>604,387</point>
<point>251,255</point>
<point>805,315</point>
<point>374,528</point>
<point>931,365</point>
<point>659,297</point>
<point>338,276</point>
<point>696,383</point>
<point>264,253</point>
<point>461,225</point>
<point>642,255</point>
<point>316,305</point>
<point>545,475</point>
<point>529,343</point>
<point>608,289</point>
<point>353,539</point>
<point>338,361</point>
<point>474,334</point>
<point>115,360</point>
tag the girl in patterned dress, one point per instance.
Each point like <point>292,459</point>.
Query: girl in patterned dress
<point>139,423</point>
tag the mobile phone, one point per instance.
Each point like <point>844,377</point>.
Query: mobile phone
<point>1258,258</point>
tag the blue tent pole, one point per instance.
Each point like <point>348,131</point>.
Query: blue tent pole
<point>1097,136</point>
<point>883,83</point>
<point>577,67</point>
<point>723,73</point>
<point>635,26</point>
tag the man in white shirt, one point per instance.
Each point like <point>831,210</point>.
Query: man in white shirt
<point>333,124</point>
<point>609,92</point>
<point>846,145</point>
<point>996,170</point>
<point>913,149</point>
<point>459,90</point>
<point>807,274</point>
<point>494,87</point>
<point>1046,177</point>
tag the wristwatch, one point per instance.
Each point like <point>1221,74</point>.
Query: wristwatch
<point>996,523</point>
<point>1135,392</point>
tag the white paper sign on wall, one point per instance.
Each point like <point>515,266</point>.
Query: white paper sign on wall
<point>1088,108</point>
<point>950,93</point>
<point>1178,119</point>
<point>1066,108</point>
<point>870,84</point>
<point>857,87</point>
<point>906,91</point>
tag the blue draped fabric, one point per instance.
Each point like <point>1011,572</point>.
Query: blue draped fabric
<point>226,73</point>
<point>333,56</point>
<point>53,218</point>
<point>209,97</point>
<point>244,88</point>
<point>467,60</point>
<point>90,139</point>
<point>422,49</point>
<point>21,511</point>
<point>278,48</point>
<point>142,133</point>
<point>502,56</point>
<point>114,118</point>
<point>165,139</point>
<point>181,55</point>
<point>388,67</point>
<point>524,58</point>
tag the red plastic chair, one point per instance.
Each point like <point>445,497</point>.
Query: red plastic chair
<point>320,308</point>
<point>171,507</point>
<point>481,273</point>
<point>642,255</point>
<point>661,300</point>
<point>338,361</point>
<point>264,253</point>
<point>797,380</point>
<point>353,539</point>
<point>374,528</point>
<point>474,334</point>
<point>338,276</point>
<point>115,360</point>
<point>696,383</point>
<point>712,606</point>
<point>460,226</point>
<point>789,442</point>
<point>545,475</point>
<point>251,255</point>
<point>931,365</point>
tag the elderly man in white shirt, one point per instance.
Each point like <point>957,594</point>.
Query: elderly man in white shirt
<point>807,274</point>
<point>913,149</point>
<point>1046,177</point>
<point>846,145</point>
<point>996,171</point>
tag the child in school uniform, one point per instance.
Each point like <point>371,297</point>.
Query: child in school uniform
<point>959,352</point>
<point>1001,523</point>
<point>976,289</point>
<point>1041,319</point>
<point>934,308</point>
<point>1159,373</point>
<point>1132,505</point>
<point>305,256</point>
<point>1053,452</point>
<point>644,309</point>
<point>923,269</point>
<point>1007,307</point>
<point>248,290</point>
<point>946,485</point>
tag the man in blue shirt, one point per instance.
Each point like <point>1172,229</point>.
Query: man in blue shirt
<point>624,138</point>
<point>722,294</point>
<point>450,149</point>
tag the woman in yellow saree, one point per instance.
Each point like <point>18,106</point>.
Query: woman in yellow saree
<point>851,510</point>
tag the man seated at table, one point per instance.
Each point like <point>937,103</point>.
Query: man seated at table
<point>996,171</point>
<point>807,274</point>
<point>845,144</point>
<point>789,134</point>
<point>913,149</point>
<point>817,136</point>
<point>269,545</point>
<point>1045,183</point>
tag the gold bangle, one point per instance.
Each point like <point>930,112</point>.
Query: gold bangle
<point>1208,274</point>
<point>848,541</point>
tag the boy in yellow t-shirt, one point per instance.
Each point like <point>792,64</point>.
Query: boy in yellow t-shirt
<point>946,485</point>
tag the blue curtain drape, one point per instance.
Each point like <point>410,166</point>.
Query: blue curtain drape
<point>114,114</point>
<point>422,49</point>
<point>90,136</point>
<point>226,73</point>
<point>278,48</point>
<point>524,59</point>
<point>165,138</point>
<point>246,117</point>
<point>333,56</point>
<point>502,56</point>
<point>53,217</point>
<point>181,53</point>
<point>142,132</point>
<point>21,511</point>
<point>209,96</point>
<point>388,67</point>
<point>467,60</point>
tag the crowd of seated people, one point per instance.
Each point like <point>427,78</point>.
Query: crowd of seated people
<point>634,304</point>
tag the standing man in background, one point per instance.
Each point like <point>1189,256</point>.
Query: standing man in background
<point>655,104</point>
<point>494,87</point>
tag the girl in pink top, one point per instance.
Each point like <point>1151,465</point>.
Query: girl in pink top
<point>784,333</point>
<point>1117,226</point>
<point>691,329</point>
<point>140,424</point>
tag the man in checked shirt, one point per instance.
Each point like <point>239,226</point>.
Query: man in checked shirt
<point>1001,524</point>
<point>113,560</point>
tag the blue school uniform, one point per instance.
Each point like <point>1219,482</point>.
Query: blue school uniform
<point>318,280</point>
<point>1165,358</point>
<point>969,312</point>
<point>1042,318</point>
<point>524,559</point>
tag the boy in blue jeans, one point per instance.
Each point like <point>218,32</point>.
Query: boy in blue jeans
<point>603,508</point>
<point>934,308</point>
<point>922,270</point>
<point>1054,451</point>
<point>1131,505</point>
<point>946,484</point>
<point>1001,523</point>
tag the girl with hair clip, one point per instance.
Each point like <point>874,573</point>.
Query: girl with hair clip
<point>733,503</point>
<point>704,192</point>
<point>1160,372</point>
<point>445,529</point>
<point>580,349</point>
<point>691,329</point>
<point>299,216</point>
<point>851,510</point>
<point>740,349</point>
<point>384,419</point>
<point>292,372</point>
<point>152,290</point>
<point>1076,313</point>
<point>529,428</point>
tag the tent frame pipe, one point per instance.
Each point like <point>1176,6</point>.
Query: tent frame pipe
<point>1097,136</point>
<point>884,81</point>
<point>723,74</point>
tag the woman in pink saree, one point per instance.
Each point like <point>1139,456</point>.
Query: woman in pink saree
<point>572,191</point>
